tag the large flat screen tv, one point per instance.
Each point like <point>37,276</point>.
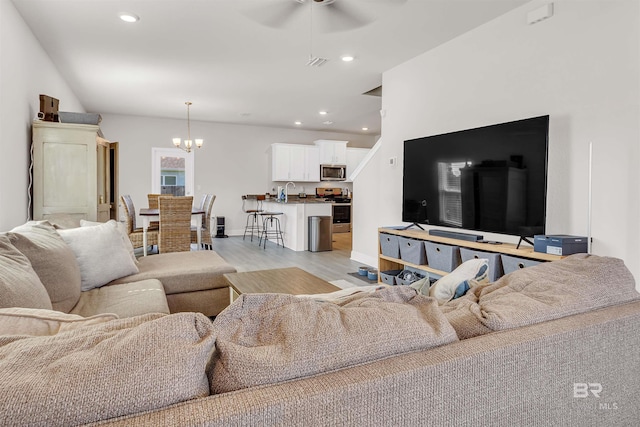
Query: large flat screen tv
<point>492,178</point>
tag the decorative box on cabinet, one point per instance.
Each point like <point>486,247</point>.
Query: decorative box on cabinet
<point>442,257</point>
<point>412,250</point>
<point>389,245</point>
<point>511,264</point>
<point>495,263</point>
<point>74,173</point>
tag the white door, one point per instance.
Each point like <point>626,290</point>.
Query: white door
<point>172,171</point>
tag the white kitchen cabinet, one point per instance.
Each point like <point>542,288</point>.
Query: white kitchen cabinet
<point>74,173</point>
<point>295,162</point>
<point>354,157</point>
<point>332,152</point>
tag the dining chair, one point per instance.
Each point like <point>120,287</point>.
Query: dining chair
<point>205,233</point>
<point>175,224</point>
<point>152,200</point>
<point>136,233</point>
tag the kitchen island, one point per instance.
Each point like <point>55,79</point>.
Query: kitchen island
<point>295,219</point>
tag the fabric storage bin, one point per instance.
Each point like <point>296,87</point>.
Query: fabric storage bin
<point>512,263</point>
<point>495,263</point>
<point>389,245</point>
<point>442,257</point>
<point>412,250</point>
<point>407,277</point>
<point>389,276</point>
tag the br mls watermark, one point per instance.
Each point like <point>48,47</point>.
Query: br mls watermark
<point>591,390</point>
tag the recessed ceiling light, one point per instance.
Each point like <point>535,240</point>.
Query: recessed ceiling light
<point>347,58</point>
<point>322,113</point>
<point>129,17</point>
<point>298,123</point>
<point>365,128</point>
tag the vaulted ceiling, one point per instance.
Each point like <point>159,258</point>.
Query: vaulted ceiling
<point>245,61</point>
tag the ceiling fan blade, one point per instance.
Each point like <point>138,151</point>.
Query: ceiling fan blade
<point>340,16</point>
<point>275,13</point>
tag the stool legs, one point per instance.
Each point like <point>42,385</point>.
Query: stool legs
<point>254,226</point>
<point>271,228</point>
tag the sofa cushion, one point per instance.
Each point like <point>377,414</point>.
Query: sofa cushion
<point>124,300</point>
<point>100,253</point>
<point>117,368</point>
<point>182,272</point>
<point>53,261</point>
<point>268,338</point>
<point>20,286</point>
<point>576,284</point>
<point>122,229</point>
<point>36,322</point>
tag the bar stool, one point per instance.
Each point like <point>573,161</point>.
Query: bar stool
<point>252,214</point>
<point>271,228</point>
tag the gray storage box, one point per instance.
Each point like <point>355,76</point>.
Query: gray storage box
<point>389,276</point>
<point>442,257</point>
<point>79,118</point>
<point>412,250</point>
<point>512,263</point>
<point>559,244</point>
<point>495,263</point>
<point>407,277</point>
<point>389,245</point>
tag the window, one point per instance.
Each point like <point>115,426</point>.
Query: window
<point>172,171</point>
<point>169,180</point>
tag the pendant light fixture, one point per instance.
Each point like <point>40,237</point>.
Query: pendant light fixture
<point>188,143</point>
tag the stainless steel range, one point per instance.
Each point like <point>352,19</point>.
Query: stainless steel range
<point>341,208</point>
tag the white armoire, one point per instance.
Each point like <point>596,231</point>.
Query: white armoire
<point>74,173</point>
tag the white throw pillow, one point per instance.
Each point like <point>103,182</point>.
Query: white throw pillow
<point>460,280</point>
<point>100,253</point>
<point>122,229</point>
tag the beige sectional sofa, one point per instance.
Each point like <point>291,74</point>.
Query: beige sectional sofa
<point>554,344</point>
<point>92,270</point>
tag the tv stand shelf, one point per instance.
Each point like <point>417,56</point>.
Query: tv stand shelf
<point>389,263</point>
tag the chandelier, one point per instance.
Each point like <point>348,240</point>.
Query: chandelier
<point>188,143</point>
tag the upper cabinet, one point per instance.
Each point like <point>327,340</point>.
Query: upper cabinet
<point>355,156</point>
<point>295,162</point>
<point>332,152</point>
<point>74,173</point>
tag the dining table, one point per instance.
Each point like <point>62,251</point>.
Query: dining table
<point>148,215</point>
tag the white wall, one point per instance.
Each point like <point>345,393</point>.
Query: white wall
<point>581,67</point>
<point>25,72</point>
<point>234,160</point>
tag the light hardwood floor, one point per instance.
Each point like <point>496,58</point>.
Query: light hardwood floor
<point>245,255</point>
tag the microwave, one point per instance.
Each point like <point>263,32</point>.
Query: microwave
<point>333,172</point>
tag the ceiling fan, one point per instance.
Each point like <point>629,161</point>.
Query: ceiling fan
<point>328,15</point>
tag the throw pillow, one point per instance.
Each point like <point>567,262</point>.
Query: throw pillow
<point>95,373</point>
<point>100,254</point>
<point>53,261</point>
<point>122,229</point>
<point>269,338</point>
<point>20,286</point>
<point>460,280</point>
<point>38,322</point>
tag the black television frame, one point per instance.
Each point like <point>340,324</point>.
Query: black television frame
<point>529,152</point>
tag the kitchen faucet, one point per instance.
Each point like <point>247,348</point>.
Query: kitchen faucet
<point>286,190</point>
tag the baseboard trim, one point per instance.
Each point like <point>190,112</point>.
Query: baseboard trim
<point>364,259</point>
